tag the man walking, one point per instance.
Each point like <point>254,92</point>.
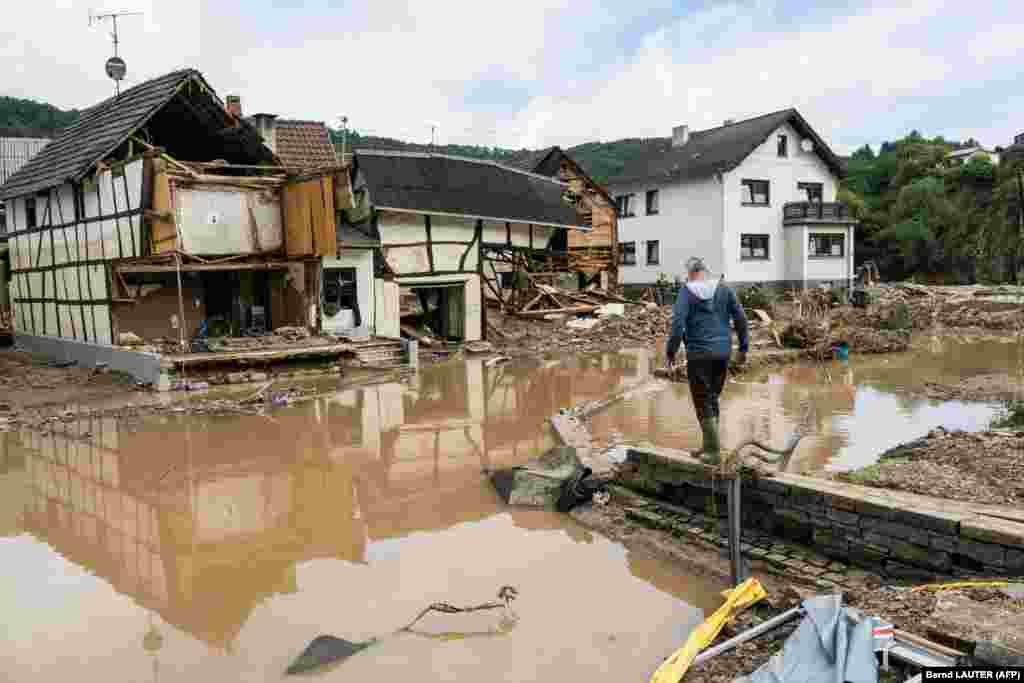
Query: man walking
<point>700,320</point>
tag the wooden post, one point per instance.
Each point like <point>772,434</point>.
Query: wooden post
<point>739,570</point>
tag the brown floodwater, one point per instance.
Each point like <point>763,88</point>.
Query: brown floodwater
<point>213,549</point>
<point>850,412</point>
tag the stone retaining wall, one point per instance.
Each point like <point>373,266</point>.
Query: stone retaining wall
<point>869,527</point>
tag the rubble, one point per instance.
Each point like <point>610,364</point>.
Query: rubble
<point>989,387</point>
<point>982,467</point>
<point>930,306</point>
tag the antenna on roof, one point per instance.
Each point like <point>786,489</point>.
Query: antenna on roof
<point>115,66</point>
<point>432,127</point>
<point>344,134</point>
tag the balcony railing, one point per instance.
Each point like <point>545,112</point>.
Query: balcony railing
<point>817,212</point>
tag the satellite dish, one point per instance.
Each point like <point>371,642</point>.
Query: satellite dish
<point>807,144</point>
<point>116,68</point>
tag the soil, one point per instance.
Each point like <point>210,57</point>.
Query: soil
<point>1002,387</point>
<point>980,467</point>
<point>29,381</point>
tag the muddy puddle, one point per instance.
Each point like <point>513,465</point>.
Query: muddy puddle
<point>851,411</point>
<point>214,549</point>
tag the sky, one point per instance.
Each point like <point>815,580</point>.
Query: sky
<point>533,73</point>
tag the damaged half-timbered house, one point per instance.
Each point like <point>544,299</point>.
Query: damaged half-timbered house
<point>416,235</point>
<point>162,217</point>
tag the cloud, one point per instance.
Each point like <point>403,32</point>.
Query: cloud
<point>534,73</point>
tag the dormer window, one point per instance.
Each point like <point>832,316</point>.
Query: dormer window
<point>783,146</point>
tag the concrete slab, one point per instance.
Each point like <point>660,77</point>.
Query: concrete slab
<point>144,367</point>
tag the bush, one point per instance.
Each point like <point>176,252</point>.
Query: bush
<point>899,318</point>
<point>1011,417</point>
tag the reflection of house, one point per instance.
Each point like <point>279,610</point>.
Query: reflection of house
<point>755,198</point>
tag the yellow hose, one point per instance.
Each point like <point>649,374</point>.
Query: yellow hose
<point>744,595</point>
<point>936,587</point>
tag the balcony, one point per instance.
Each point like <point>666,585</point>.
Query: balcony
<point>800,213</point>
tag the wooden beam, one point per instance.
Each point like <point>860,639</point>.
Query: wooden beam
<point>422,339</point>
<point>190,267</point>
<point>532,302</point>
<point>572,310</point>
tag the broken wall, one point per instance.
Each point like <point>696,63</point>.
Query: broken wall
<point>151,316</point>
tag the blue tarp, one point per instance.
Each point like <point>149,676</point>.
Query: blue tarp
<point>827,646</point>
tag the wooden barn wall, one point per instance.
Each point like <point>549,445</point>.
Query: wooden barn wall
<point>309,219</point>
<point>60,280</point>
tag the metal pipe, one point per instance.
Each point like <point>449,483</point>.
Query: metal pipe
<point>735,512</point>
<point>749,634</point>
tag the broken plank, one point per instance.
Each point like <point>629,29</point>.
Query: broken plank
<point>532,302</point>
<point>550,311</point>
<point>422,339</point>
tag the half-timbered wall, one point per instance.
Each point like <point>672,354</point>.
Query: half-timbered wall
<point>418,244</point>
<point>61,241</point>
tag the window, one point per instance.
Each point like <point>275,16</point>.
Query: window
<point>783,144</point>
<point>826,246</point>
<point>652,203</point>
<point>812,192</point>
<point>30,213</point>
<point>754,247</point>
<point>624,205</point>
<point>653,252</point>
<point>755,192</point>
<point>627,253</point>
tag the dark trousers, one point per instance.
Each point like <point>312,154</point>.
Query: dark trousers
<point>707,377</point>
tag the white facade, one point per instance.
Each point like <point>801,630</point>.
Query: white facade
<point>707,217</point>
<point>962,156</point>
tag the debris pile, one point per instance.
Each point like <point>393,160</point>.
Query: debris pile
<point>994,309</point>
<point>981,467</point>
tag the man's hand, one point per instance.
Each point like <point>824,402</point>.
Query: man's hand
<point>741,358</point>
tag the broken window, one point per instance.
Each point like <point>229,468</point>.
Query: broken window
<point>754,247</point>
<point>653,252</point>
<point>826,245</point>
<point>652,202</point>
<point>627,253</point>
<point>812,192</point>
<point>340,297</point>
<point>755,192</point>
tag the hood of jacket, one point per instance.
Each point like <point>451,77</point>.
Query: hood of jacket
<point>703,289</point>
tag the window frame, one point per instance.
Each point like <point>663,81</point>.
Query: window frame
<point>830,238</point>
<point>767,246</point>
<point>782,146</point>
<point>647,252</point>
<point>804,186</point>
<point>624,205</point>
<point>623,251</point>
<point>745,182</point>
<point>656,196</point>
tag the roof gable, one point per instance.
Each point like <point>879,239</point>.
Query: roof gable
<point>433,183</point>
<point>180,112</point>
<point>718,150</point>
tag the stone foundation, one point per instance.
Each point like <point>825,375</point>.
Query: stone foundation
<point>869,527</point>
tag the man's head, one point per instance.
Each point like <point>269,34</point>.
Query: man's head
<point>695,268</point>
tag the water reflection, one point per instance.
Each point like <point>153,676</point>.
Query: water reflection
<point>204,523</point>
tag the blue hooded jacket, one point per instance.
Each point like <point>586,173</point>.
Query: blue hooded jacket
<point>700,319</point>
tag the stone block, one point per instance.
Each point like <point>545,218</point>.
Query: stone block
<point>932,520</point>
<point>839,502</point>
<point>790,515</point>
<point>800,497</point>
<point>921,556</point>
<point>772,486</point>
<point>986,553</point>
<point>843,517</point>
<point>993,530</point>
<point>876,506</point>
<point>866,553</point>
<point>878,539</point>
<point>904,532</point>
<point>1014,560</point>
<point>947,543</point>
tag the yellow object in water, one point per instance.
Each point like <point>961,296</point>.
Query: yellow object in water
<point>744,595</point>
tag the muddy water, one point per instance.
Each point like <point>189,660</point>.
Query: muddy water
<point>851,411</point>
<point>214,549</point>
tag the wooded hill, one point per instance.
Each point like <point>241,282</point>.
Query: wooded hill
<point>29,116</point>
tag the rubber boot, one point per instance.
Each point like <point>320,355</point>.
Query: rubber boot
<point>710,454</point>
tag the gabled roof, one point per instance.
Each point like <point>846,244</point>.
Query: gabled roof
<point>718,150</point>
<point>530,161</point>
<point>101,129</point>
<point>303,144</point>
<point>435,183</point>
<point>547,162</point>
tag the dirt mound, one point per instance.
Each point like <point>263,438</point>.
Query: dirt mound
<point>984,467</point>
<point>980,388</point>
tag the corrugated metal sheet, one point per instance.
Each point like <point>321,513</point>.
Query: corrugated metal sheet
<point>16,152</point>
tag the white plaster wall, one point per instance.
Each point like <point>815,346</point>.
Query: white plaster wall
<point>783,175</point>
<point>795,237</point>
<point>387,304</point>
<point>362,261</point>
<point>689,223</point>
<point>829,268</point>
<point>216,220</point>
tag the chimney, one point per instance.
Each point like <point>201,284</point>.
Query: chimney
<point>265,126</point>
<point>234,105</point>
<point>728,122</point>
<point>680,135</point>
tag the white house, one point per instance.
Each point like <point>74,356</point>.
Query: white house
<point>756,199</point>
<point>962,156</point>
